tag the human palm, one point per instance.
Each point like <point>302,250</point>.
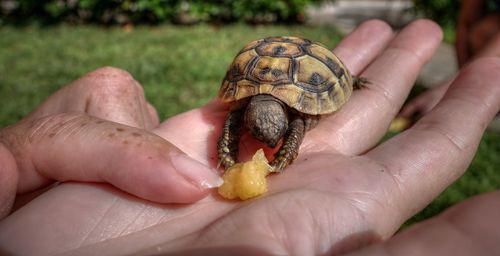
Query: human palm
<point>343,191</point>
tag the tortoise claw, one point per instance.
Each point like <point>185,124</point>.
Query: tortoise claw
<point>360,82</point>
<point>278,168</point>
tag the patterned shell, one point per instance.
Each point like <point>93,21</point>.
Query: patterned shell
<point>303,74</point>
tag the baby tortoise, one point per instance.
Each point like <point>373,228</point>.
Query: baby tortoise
<point>279,87</point>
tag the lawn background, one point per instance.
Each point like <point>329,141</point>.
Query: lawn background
<point>179,67</point>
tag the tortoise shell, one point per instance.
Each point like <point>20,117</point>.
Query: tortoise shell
<point>303,74</point>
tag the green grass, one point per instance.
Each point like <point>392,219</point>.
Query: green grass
<point>179,67</point>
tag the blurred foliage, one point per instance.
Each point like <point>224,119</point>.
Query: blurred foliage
<point>152,11</point>
<point>444,12</point>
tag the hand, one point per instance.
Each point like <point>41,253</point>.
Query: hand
<point>342,193</point>
<point>98,129</point>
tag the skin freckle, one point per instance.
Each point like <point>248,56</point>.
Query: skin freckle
<point>125,142</point>
<point>136,134</point>
<point>52,135</point>
<point>99,122</point>
<point>120,129</point>
<point>111,135</point>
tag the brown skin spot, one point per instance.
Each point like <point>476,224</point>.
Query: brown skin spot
<point>150,157</point>
<point>52,135</point>
<point>120,129</point>
<point>99,122</point>
<point>83,124</point>
<point>111,135</point>
<point>125,142</point>
<point>136,134</point>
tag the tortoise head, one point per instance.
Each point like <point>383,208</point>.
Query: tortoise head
<point>267,119</point>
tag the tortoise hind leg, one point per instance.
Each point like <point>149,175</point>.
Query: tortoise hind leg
<point>227,145</point>
<point>359,82</point>
<point>290,147</point>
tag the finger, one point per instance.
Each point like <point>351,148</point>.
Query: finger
<point>417,105</point>
<point>203,125</point>
<point>79,147</point>
<point>8,181</point>
<point>107,93</point>
<point>426,100</point>
<point>363,44</point>
<point>367,115</point>
<point>356,51</point>
<point>438,148</point>
<point>421,104</point>
<point>411,108</point>
<point>155,118</point>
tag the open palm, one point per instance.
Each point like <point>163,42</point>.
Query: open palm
<point>343,191</point>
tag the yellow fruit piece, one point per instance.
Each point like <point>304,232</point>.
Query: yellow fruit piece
<point>246,180</point>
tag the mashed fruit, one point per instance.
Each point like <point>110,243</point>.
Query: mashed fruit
<point>246,180</point>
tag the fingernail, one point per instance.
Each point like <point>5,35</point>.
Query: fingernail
<point>195,172</point>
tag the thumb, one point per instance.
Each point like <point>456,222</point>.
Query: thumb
<point>78,147</point>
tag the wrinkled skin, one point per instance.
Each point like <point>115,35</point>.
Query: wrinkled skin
<point>342,193</point>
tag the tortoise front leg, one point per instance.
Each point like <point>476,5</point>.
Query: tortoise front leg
<point>227,145</point>
<point>290,147</point>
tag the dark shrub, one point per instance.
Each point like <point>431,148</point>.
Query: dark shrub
<point>444,12</point>
<point>152,11</point>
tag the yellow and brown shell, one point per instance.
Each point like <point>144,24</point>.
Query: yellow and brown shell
<point>304,75</point>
